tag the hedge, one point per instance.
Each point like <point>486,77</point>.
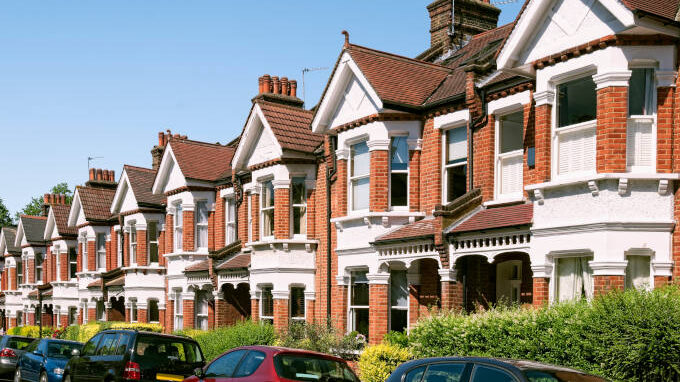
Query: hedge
<point>215,342</point>
<point>31,331</point>
<point>82,333</point>
<point>377,362</point>
<point>623,336</point>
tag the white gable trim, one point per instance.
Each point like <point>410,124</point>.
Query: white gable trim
<point>50,226</point>
<point>124,187</point>
<point>250,137</point>
<point>164,170</point>
<point>346,69</point>
<point>20,234</point>
<point>3,243</point>
<point>76,207</point>
<point>532,18</point>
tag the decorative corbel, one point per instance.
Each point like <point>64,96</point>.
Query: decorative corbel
<point>538,195</point>
<point>663,186</point>
<point>385,221</point>
<point>367,221</point>
<point>623,186</point>
<point>338,226</point>
<point>592,185</point>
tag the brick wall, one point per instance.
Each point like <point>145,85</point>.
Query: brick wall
<point>169,233</point>
<point>339,190</point>
<point>664,129</point>
<point>91,314</point>
<point>542,137</point>
<point>378,312</point>
<point>31,270</point>
<point>242,222</point>
<point>188,313</point>
<point>612,114</point>
<point>13,278</point>
<point>63,320</point>
<point>142,255</point>
<point>311,213</point>
<point>142,315</point>
<point>430,167</point>
<point>282,213</point>
<point>112,253</point>
<point>91,256</point>
<point>255,309</point>
<point>188,231</point>
<point>255,214</point>
<point>483,158</point>
<point>218,226</point>
<point>169,314</point>
<point>605,284</point>
<point>280,314</point>
<point>414,180</point>
<point>541,291</point>
<point>441,17</point>
<point>379,183</point>
<point>211,230</point>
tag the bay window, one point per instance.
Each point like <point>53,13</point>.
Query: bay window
<point>297,304</point>
<point>640,147</point>
<point>83,246</point>
<point>510,157</point>
<point>574,278</point>
<point>399,165</point>
<point>177,223</point>
<point>72,315</point>
<point>230,220</point>
<point>299,206</point>
<point>359,176</point>
<point>152,240</point>
<point>201,222</point>
<point>398,301</point>
<point>179,317</point>
<point>267,305</point>
<point>153,316</point>
<point>358,302</point>
<point>267,209</point>
<point>455,163</point>
<point>202,301</point>
<point>72,263</point>
<point>101,311</point>
<point>576,126</point>
<point>19,273</point>
<point>101,251</point>
<point>133,243</point>
<point>638,272</point>
<point>133,311</point>
<point>39,259</point>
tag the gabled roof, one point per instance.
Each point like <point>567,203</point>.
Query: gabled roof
<point>31,227</point>
<point>425,228</point>
<point>95,202</point>
<point>202,161</point>
<point>8,237</point>
<point>59,215</point>
<point>139,181</point>
<point>202,266</point>
<point>240,260</point>
<point>291,126</point>
<point>499,217</point>
<point>667,9</point>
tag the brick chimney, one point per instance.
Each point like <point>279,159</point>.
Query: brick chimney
<point>51,200</point>
<point>101,178</point>
<point>275,89</point>
<point>163,140</point>
<point>451,29</point>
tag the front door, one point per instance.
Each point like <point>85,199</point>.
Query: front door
<point>508,282</point>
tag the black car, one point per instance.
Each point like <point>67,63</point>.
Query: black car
<point>125,355</point>
<point>472,369</point>
<point>11,348</point>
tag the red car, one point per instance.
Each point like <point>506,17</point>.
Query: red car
<point>274,364</point>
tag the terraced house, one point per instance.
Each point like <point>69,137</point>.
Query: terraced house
<point>527,163</point>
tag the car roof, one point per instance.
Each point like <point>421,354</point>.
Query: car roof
<point>22,337</point>
<point>513,363</point>
<point>274,350</point>
<point>149,333</point>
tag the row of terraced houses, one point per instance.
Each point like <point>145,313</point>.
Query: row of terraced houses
<point>528,163</point>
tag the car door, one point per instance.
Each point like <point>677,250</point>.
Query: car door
<point>30,362</point>
<point>81,366</point>
<point>98,362</point>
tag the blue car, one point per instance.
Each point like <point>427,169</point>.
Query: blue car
<point>44,360</point>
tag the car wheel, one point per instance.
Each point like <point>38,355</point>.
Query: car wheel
<point>43,377</point>
<point>17,375</point>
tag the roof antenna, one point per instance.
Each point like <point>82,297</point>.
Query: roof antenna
<point>307,70</point>
<point>90,159</point>
<point>346,38</point>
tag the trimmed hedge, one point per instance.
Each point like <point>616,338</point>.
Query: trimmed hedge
<point>623,336</point>
<point>82,333</point>
<point>377,362</point>
<point>215,342</point>
<point>31,331</point>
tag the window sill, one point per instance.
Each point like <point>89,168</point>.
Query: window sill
<point>367,214</point>
<point>603,176</point>
<point>505,199</point>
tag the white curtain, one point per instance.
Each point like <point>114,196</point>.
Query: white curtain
<point>638,272</point>
<point>574,278</point>
<point>587,275</point>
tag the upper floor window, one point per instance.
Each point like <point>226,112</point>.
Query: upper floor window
<point>640,146</point>
<point>230,220</point>
<point>201,224</point>
<point>20,273</point>
<point>133,243</point>
<point>510,157</point>
<point>119,249</point>
<point>177,222</point>
<point>267,209</point>
<point>359,176</point>
<point>72,263</point>
<point>576,102</point>
<point>455,163</point>
<point>399,161</point>
<point>152,239</point>
<point>57,261</point>
<point>39,259</point>
<point>299,206</point>
<point>641,92</point>
<point>576,126</point>
<point>101,251</point>
<point>83,246</point>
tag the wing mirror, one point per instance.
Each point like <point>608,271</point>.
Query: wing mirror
<point>199,372</point>
<point>37,352</point>
<point>75,352</point>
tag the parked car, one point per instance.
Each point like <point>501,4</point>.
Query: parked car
<point>44,360</point>
<point>472,369</point>
<point>267,363</point>
<point>11,348</point>
<point>132,355</point>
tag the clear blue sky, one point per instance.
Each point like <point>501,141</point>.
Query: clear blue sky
<point>102,78</point>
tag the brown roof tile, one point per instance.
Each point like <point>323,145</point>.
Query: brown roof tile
<point>141,181</point>
<point>422,228</point>
<point>291,126</point>
<point>203,161</point>
<point>95,284</point>
<point>664,8</point>
<point>198,267</point>
<point>96,202</point>
<point>240,260</point>
<point>499,217</point>
<point>118,281</point>
<point>61,213</point>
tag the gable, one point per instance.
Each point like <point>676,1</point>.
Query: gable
<point>265,147</point>
<point>353,104</point>
<point>258,143</point>
<point>51,226</point>
<point>76,216</point>
<point>169,175</point>
<point>124,200</point>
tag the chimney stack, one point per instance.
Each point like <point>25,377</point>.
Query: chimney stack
<point>293,88</point>
<point>267,84</point>
<point>285,90</point>
<point>277,85</point>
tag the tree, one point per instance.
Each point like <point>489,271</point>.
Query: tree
<point>5,218</point>
<point>35,206</point>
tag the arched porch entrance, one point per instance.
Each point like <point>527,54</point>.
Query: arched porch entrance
<point>234,305</point>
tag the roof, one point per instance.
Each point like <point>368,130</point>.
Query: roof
<point>141,180</point>
<point>423,228</point>
<point>664,8</point>
<point>291,126</point>
<point>198,267</point>
<point>499,217</point>
<point>61,213</point>
<point>240,260</point>
<point>118,281</point>
<point>95,284</point>
<point>34,228</point>
<point>96,202</point>
<point>10,237</point>
<point>397,79</point>
<point>202,161</point>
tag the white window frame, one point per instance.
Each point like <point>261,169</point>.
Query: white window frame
<point>100,238</point>
<point>445,165</point>
<point>202,310</point>
<point>57,262</point>
<point>200,225</point>
<point>152,240</point>
<point>262,317</point>
<point>264,209</point>
<point>101,315</point>
<point>178,310</point>
<point>290,304</point>
<point>133,243</point>
<point>393,171</point>
<point>352,308</point>
<point>119,249</point>
<point>554,274</point>
<point>71,262</point>
<point>39,267</point>
<point>398,307</point>
<point>250,217</point>
<point>84,253</point>
<point>85,310</point>
<point>148,311</point>
<point>293,206</point>
<point>353,178</point>
<point>134,312</point>
<point>178,226</point>
<point>650,118</point>
<point>640,253</point>
<point>19,273</point>
<point>229,221</point>
<point>500,157</point>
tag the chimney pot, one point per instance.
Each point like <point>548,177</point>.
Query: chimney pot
<point>161,138</point>
<point>98,175</point>
<point>285,90</point>
<point>293,88</point>
<point>277,85</point>
<point>183,137</point>
<point>92,171</point>
<point>46,199</point>
<point>260,84</point>
<point>266,84</point>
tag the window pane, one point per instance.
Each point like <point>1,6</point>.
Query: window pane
<point>267,302</point>
<point>297,302</point>
<point>398,289</point>
<point>577,101</point>
<point>249,364</point>
<point>361,159</point>
<point>512,132</point>
<point>456,144</point>
<point>641,92</point>
<point>490,374</point>
<point>267,195</point>
<point>153,311</point>
<point>299,193</point>
<point>456,179</point>
<point>360,193</point>
<point>360,320</point>
<point>399,189</point>
<point>225,365</point>
<point>359,292</point>
<point>299,220</point>
<point>415,375</point>
<point>398,320</point>
<point>399,154</point>
<point>574,278</point>
<point>268,223</point>
<point>637,272</point>
<point>450,372</point>
<point>202,212</point>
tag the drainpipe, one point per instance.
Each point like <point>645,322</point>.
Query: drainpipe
<point>330,174</point>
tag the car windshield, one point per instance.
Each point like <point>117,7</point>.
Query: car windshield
<point>18,343</point>
<point>299,367</point>
<point>560,376</point>
<point>62,349</point>
<point>158,349</point>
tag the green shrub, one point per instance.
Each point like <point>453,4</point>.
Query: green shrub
<point>31,331</point>
<point>396,339</point>
<point>624,336</point>
<point>82,333</point>
<point>215,342</point>
<point>377,362</point>
<point>310,336</point>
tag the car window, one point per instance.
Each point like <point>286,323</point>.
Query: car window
<point>91,345</point>
<point>225,365</point>
<point>123,340</point>
<point>415,375</point>
<point>559,376</point>
<point>483,373</point>
<point>299,367</point>
<point>249,364</point>
<point>57,349</point>
<point>31,346</point>
<point>18,343</point>
<point>444,372</point>
<point>107,343</point>
<point>165,349</point>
